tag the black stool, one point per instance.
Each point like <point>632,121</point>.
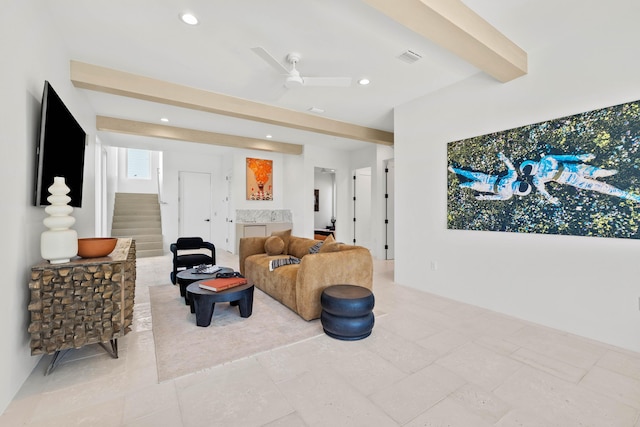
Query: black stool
<point>347,312</point>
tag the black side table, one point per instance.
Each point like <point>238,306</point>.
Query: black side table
<point>347,312</point>
<point>203,301</point>
<point>187,277</point>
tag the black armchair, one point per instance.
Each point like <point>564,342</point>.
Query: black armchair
<point>182,260</point>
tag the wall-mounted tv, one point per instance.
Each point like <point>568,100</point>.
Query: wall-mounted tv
<point>60,149</point>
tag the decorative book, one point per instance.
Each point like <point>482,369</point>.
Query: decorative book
<point>217,285</point>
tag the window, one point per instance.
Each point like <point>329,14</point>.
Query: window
<point>138,164</point>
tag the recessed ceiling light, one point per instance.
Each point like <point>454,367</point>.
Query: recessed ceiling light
<point>364,82</point>
<point>164,119</point>
<point>189,18</point>
<point>269,136</point>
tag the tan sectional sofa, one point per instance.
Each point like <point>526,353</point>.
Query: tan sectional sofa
<point>299,286</point>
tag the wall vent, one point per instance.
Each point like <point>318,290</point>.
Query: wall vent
<point>409,56</point>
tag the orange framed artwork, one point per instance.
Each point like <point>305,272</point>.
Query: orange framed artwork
<point>259,179</point>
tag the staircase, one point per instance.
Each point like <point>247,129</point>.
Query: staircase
<point>137,216</point>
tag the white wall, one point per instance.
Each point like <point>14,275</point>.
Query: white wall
<point>586,286</point>
<point>111,153</point>
<point>239,181</point>
<point>185,160</point>
<point>32,54</point>
<point>135,185</point>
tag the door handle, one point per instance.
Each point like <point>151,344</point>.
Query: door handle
<point>207,220</point>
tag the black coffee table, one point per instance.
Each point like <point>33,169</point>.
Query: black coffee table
<point>187,277</point>
<point>203,301</point>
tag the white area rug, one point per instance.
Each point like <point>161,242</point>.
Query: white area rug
<point>183,348</point>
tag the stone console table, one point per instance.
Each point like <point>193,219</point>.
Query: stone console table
<point>84,301</point>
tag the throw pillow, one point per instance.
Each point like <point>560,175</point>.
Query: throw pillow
<point>274,245</point>
<point>275,263</point>
<point>285,235</point>
<point>327,242</point>
<point>315,248</point>
<point>331,247</point>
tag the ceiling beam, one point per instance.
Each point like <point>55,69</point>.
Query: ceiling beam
<point>101,79</point>
<point>454,26</point>
<point>131,127</point>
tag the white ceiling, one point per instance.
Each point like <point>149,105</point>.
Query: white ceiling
<point>335,37</point>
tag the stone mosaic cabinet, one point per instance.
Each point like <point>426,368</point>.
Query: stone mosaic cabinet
<point>84,301</point>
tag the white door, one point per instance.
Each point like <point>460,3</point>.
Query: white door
<point>390,213</point>
<point>231,233</point>
<point>195,205</point>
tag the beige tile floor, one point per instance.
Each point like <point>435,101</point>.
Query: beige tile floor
<point>429,362</point>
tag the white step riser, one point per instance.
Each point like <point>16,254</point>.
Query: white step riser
<point>128,232</point>
<point>122,225</point>
<point>120,198</point>
<point>155,217</point>
<point>137,203</point>
<point>140,238</point>
<point>136,196</point>
<point>141,202</point>
<point>121,210</point>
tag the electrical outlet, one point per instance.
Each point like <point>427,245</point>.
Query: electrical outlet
<point>434,265</point>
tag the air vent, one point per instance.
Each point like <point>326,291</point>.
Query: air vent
<point>409,56</point>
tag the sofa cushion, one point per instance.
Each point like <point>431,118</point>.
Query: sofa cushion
<point>332,247</point>
<point>299,246</point>
<point>279,284</point>
<point>329,245</point>
<point>285,235</point>
<point>274,245</point>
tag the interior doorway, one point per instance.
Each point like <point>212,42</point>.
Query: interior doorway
<point>194,195</point>
<point>362,232</point>
<point>324,193</point>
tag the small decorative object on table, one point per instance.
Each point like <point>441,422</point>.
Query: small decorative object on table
<point>96,247</point>
<point>207,269</point>
<point>221,283</point>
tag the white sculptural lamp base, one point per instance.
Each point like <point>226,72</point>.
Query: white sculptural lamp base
<point>59,244</point>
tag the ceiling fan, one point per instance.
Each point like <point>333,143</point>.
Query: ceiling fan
<point>293,78</point>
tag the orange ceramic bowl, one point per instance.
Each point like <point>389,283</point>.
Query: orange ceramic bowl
<point>96,247</point>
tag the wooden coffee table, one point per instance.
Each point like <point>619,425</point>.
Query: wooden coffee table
<point>203,301</point>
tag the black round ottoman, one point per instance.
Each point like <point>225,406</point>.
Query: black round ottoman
<point>347,312</point>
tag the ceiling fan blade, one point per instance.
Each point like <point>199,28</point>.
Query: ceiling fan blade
<point>327,81</point>
<point>266,56</point>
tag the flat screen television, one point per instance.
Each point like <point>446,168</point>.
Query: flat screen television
<point>60,149</point>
